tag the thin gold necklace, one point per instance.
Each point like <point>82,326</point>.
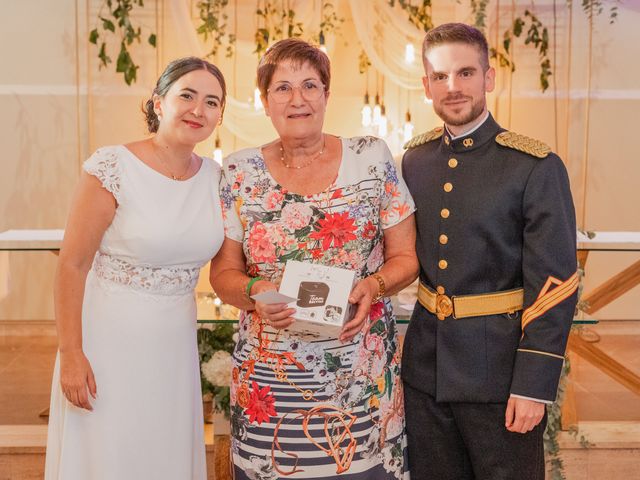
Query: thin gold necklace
<point>177,178</point>
<point>307,163</point>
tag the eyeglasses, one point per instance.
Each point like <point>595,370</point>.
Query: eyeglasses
<point>310,91</point>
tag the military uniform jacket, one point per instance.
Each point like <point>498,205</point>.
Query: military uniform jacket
<point>494,213</point>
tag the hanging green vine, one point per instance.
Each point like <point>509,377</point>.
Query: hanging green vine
<point>537,35</point>
<point>214,24</point>
<point>554,411</point>
<point>329,22</point>
<point>554,427</point>
<point>479,11</point>
<point>595,7</point>
<point>117,20</point>
<point>419,15</point>
<point>363,62</point>
<point>276,19</point>
<point>275,22</point>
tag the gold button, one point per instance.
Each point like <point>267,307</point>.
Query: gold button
<point>442,264</point>
<point>468,142</point>
<point>444,213</point>
<point>446,140</point>
<point>453,163</point>
<point>443,239</point>
<point>448,187</point>
<point>440,289</point>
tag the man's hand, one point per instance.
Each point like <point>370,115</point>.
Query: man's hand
<point>523,415</point>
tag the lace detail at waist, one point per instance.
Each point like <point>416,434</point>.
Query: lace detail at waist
<point>153,280</point>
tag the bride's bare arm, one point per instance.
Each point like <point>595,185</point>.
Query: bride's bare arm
<point>91,212</point>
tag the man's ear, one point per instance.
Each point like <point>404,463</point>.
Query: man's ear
<point>490,80</point>
<point>427,87</point>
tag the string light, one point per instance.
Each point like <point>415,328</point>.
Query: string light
<point>383,123</point>
<point>217,152</point>
<point>407,129</point>
<point>377,112</point>
<point>323,47</point>
<point>217,307</point>
<point>366,111</point>
<point>409,53</point>
<point>257,101</point>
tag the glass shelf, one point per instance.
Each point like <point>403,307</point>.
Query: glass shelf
<point>207,312</point>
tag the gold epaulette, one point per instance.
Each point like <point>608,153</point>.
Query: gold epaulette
<point>424,137</point>
<point>523,144</point>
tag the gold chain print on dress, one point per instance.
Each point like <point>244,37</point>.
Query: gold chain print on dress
<point>337,421</point>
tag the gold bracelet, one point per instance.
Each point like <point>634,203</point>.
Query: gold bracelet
<point>381,287</point>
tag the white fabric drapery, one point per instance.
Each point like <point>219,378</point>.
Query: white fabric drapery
<point>384,35</point>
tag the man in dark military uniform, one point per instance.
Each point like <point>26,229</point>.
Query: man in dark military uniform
<point>496,243</point>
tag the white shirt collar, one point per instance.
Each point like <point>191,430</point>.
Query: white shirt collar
<point>486,115</point>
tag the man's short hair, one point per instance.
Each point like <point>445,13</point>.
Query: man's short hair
<point>456,33</point>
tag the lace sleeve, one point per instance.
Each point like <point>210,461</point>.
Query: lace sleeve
<point>104,164</point>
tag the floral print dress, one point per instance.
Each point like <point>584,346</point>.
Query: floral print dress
<point>316,408</point>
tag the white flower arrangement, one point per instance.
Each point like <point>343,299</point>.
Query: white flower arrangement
<point>217,370</point>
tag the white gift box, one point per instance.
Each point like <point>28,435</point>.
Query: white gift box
<point>322,297</point>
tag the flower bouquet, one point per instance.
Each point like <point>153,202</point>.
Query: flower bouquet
<point>215,345</point>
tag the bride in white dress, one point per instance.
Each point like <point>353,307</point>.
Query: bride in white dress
<point>126,401</point>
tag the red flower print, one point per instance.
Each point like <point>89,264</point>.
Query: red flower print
<point>377,309</point>
<point>261,404</point>
<point>336,194</point>
<point>369,231</point>
<point>392,189</point>
<point>238,181</point>
<point>261,245</point>
<point>242,395</point>
<point>336,228</point>
<point>253,270</point>
<point>273,199</point>
<point>402,209</point>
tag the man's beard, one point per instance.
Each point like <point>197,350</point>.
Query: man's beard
<point>456,121</point>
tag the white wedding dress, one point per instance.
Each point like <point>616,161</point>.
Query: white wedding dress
<point>139,330</point>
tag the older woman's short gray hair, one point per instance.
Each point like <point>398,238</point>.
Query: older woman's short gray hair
<point>297,51</point>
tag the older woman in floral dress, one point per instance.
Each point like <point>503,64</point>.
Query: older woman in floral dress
<point>326,407</point>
